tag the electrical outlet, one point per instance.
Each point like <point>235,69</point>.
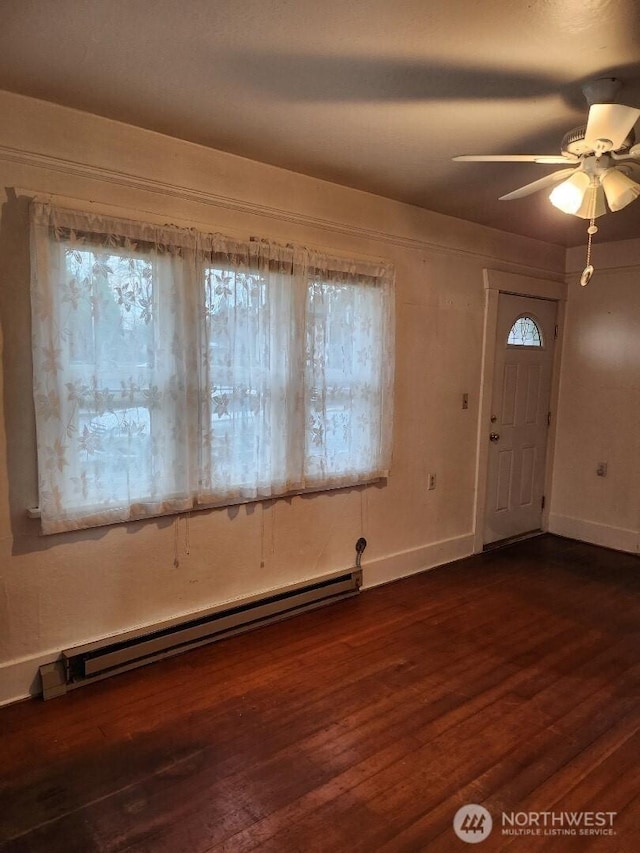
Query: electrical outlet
<point>432,482</point>
<point>601,470</point>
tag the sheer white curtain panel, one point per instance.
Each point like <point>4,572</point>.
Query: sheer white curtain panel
<point>175,369</point>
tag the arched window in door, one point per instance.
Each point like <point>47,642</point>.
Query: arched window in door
<point>525,332</point>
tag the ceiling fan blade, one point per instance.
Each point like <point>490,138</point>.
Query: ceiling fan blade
<point>551,159</point>
<point>540,184</point>
<point>611,123</point>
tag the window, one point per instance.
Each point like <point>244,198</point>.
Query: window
<point>174,369</point>
<point>525,332</point>
<point>343,362</point>
<point>113,381</point>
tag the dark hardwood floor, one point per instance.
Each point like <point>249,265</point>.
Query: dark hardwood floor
<point>509,679</point>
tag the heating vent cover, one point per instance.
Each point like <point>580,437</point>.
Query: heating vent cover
<point>94,661</point>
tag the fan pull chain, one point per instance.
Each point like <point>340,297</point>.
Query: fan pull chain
<point>587,272</point>
<point>590,233</point>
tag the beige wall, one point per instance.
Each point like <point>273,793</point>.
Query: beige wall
<point>63,590</point>
<point>599,412</point>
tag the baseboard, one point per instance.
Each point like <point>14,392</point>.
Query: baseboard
<point>20,679</point>
<point>618,538</point>
<point>415,560</point>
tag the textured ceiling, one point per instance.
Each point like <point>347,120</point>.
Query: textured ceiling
<point>373,94</point>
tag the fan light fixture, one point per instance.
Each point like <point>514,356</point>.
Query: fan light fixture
<point>593,204</point>
<point>582,196</point>
<point>591,154</point>
<point>619,189</point>
<point>569,195</point>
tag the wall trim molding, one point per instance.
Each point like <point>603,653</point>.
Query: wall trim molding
<point>521,285</point>
<point>20,679</point>
<point>613,257</point>
<point>572,274</point>
<point>618,538</point>
<point>403,564</point>
<point>152,185</point>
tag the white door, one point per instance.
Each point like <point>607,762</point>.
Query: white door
<point>520,416</point>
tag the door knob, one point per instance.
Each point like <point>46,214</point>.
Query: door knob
<point>494,436</point>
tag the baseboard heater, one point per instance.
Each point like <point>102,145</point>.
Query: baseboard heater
<point>94,661</point>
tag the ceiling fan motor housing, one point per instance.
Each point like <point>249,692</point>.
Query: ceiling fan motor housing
<point>573,142</point>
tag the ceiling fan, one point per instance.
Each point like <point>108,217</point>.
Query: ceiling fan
<point>600,157</point>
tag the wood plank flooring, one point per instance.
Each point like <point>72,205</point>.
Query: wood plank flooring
<point>509,679</point>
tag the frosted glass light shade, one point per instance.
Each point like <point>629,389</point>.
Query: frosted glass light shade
<point>569,195</point>
<point>619,189</point>
<point>593,203</point>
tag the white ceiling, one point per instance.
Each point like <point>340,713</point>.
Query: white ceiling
<point>373,94</point>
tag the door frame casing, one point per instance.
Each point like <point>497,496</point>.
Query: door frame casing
<point>495,283</point>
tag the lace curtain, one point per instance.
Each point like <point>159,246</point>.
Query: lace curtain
<point>174,369</point>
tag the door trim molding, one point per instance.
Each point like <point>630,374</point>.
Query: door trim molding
<point>495,283</point>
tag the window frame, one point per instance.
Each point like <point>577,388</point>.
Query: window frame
<point>208,251</point>
<point>538,327</point>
